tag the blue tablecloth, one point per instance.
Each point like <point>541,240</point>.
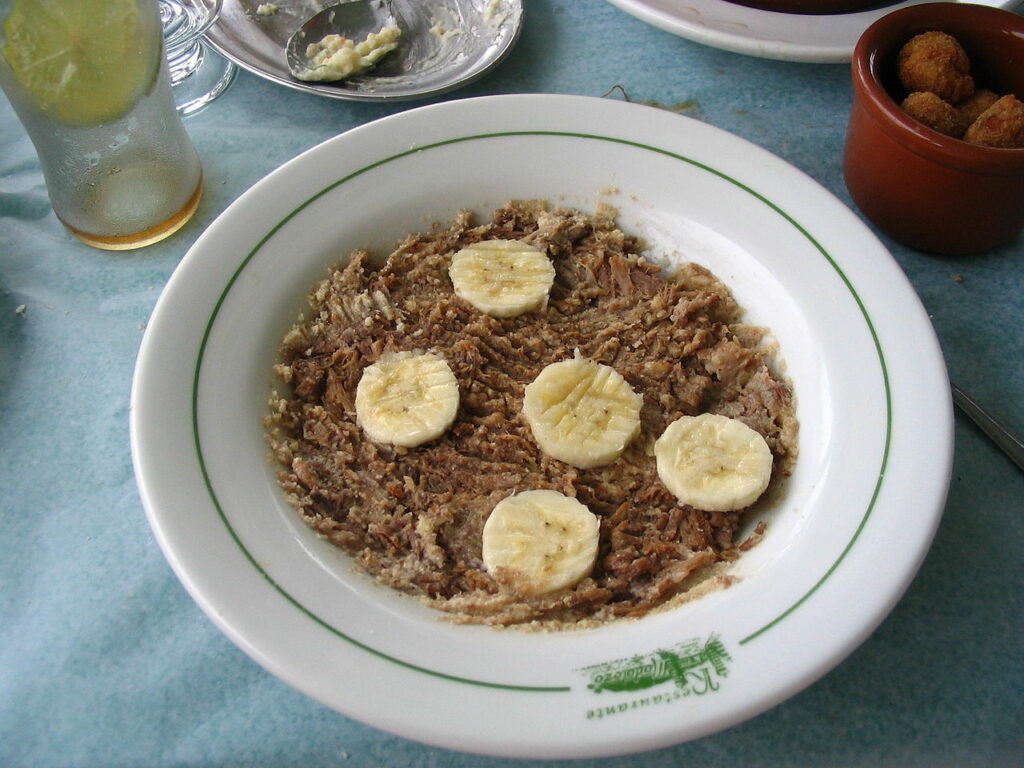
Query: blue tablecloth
<point>104,659</point>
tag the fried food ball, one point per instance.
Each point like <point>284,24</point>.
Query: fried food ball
<point>936,62</point>
<point>937,114</point>
<point>1001,125</point>
<point>970,109</point>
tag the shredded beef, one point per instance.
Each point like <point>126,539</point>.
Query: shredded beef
<point>413,518</point>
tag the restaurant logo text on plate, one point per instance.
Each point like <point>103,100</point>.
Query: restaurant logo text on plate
<point>694,667</point>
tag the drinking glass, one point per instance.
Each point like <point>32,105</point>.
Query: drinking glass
<point>120,180</point>
<point>198,73</point>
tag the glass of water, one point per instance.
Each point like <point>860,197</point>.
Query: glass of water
<point>90,84</point>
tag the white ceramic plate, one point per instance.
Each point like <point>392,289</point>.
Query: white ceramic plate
<point>842,544</point>
<point>766,34</point>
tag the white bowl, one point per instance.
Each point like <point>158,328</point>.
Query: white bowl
<point>843,542</point>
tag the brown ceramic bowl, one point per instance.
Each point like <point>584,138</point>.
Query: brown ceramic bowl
<point>814,7</point>
<point>927,190</point>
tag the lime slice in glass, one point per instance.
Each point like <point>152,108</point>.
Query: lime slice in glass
<point>85,62</point>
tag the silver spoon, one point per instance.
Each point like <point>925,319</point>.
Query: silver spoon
<point>1010,444</point>
<point>354,19</point>
<point>444,44</point>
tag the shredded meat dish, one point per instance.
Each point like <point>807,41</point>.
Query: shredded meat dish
<point>412,518</point>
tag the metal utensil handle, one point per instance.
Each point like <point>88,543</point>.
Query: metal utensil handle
<point>1010,444</point>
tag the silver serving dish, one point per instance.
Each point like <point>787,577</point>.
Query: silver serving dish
<point>445,44</point>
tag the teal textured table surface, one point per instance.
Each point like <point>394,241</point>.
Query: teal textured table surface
<point>105,660</point>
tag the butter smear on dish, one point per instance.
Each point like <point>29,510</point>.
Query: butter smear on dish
<point>336,57</point>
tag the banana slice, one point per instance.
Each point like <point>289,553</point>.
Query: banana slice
<point>502,278</point>
<point>582,412</point>
<point>713,462</point>
<point>536,542</point>
<point>407,398</point>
